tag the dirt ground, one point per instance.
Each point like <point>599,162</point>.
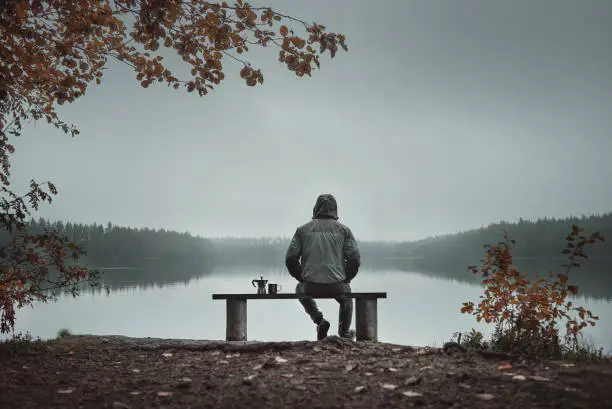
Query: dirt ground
<point>120,373</point>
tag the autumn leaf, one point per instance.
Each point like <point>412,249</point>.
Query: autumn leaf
<point>284,31</point>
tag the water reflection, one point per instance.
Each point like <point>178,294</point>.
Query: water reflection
<point>593,279</point>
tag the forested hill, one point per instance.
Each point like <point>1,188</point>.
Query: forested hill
<point>126,246</point>
<point>543,238</point>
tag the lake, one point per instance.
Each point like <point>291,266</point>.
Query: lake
<point>421,309</point>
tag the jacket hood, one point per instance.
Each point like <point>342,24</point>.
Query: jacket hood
<point>325,208</point>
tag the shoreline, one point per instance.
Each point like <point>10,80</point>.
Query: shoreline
<point>119,372</point>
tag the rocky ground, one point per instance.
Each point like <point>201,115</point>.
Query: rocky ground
<point>120,373</point>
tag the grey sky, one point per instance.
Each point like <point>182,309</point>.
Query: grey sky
<point>444,116</point>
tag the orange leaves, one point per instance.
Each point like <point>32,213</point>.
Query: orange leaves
<point>512,300</point>
<point>54,59</point>
<point>468,308</point>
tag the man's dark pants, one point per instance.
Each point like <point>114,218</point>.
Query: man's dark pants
<point>336,290</point>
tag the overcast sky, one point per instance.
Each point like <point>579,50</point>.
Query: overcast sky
<point>444,116</point>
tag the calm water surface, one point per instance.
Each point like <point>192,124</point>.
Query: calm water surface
<point>419,310</point>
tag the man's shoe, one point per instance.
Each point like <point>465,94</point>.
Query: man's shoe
<point>350,334</point>
<point>322,329</point>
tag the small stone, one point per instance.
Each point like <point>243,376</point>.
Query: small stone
<point>359,389</point>
<point>120,405</point>
<point>388,386</point>
<point>465,386</point>
<point>287,375</point>
<point>257,367</point>
<point>412,394</point>
<point>25,367</point>
<point>539,378</point>
<point>70,353</point>
<point>570,389</point>
<point>280,360</point>
<point>316,349</point>
<point>396,349</point>
<point>519,378</point>
<point>215,353</point>
<point>426,367</point>
<point>248,380</point>
<point>413,380</point>
<point>135,393</point>
<point>504,366</point>
<point>229,356</point>
<point>568,365</point>
<point>65,391</point>
<point>136,370</point>
<point>223,361</point>
<point>421,351</point>
<point>184,383</point>
<point>485,396</point>
<point>350,367</point>
<point>392,369</point>
<point>167,354</point>
<point>368,374</point>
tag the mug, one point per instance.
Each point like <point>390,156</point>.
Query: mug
<point>273,288</point>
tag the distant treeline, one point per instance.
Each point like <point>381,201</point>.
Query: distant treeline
<point>126,246</point>
<point>543,238</point>
<point>160,257</point>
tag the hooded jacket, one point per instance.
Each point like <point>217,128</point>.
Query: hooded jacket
<point>323,250</point>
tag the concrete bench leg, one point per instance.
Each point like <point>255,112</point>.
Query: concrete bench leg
<point>367,319</point>
<point>236,320</point>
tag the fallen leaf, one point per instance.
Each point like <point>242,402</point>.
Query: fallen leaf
<point>70,353</point>
<point>519,378</point>
<point>360,389</point>
<point>504,366</point>
<point>280,360</point>
<point>388,386</point>
<point>485,396</point>
<point>65,391</point>
<point>167,354</point>
<point>412,394</point>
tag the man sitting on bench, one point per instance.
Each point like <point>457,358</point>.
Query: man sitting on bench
<point>324,257</point>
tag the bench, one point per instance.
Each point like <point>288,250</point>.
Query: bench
<point>236,312</point>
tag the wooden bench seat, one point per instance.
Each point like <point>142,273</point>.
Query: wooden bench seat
<point>236,312</point>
